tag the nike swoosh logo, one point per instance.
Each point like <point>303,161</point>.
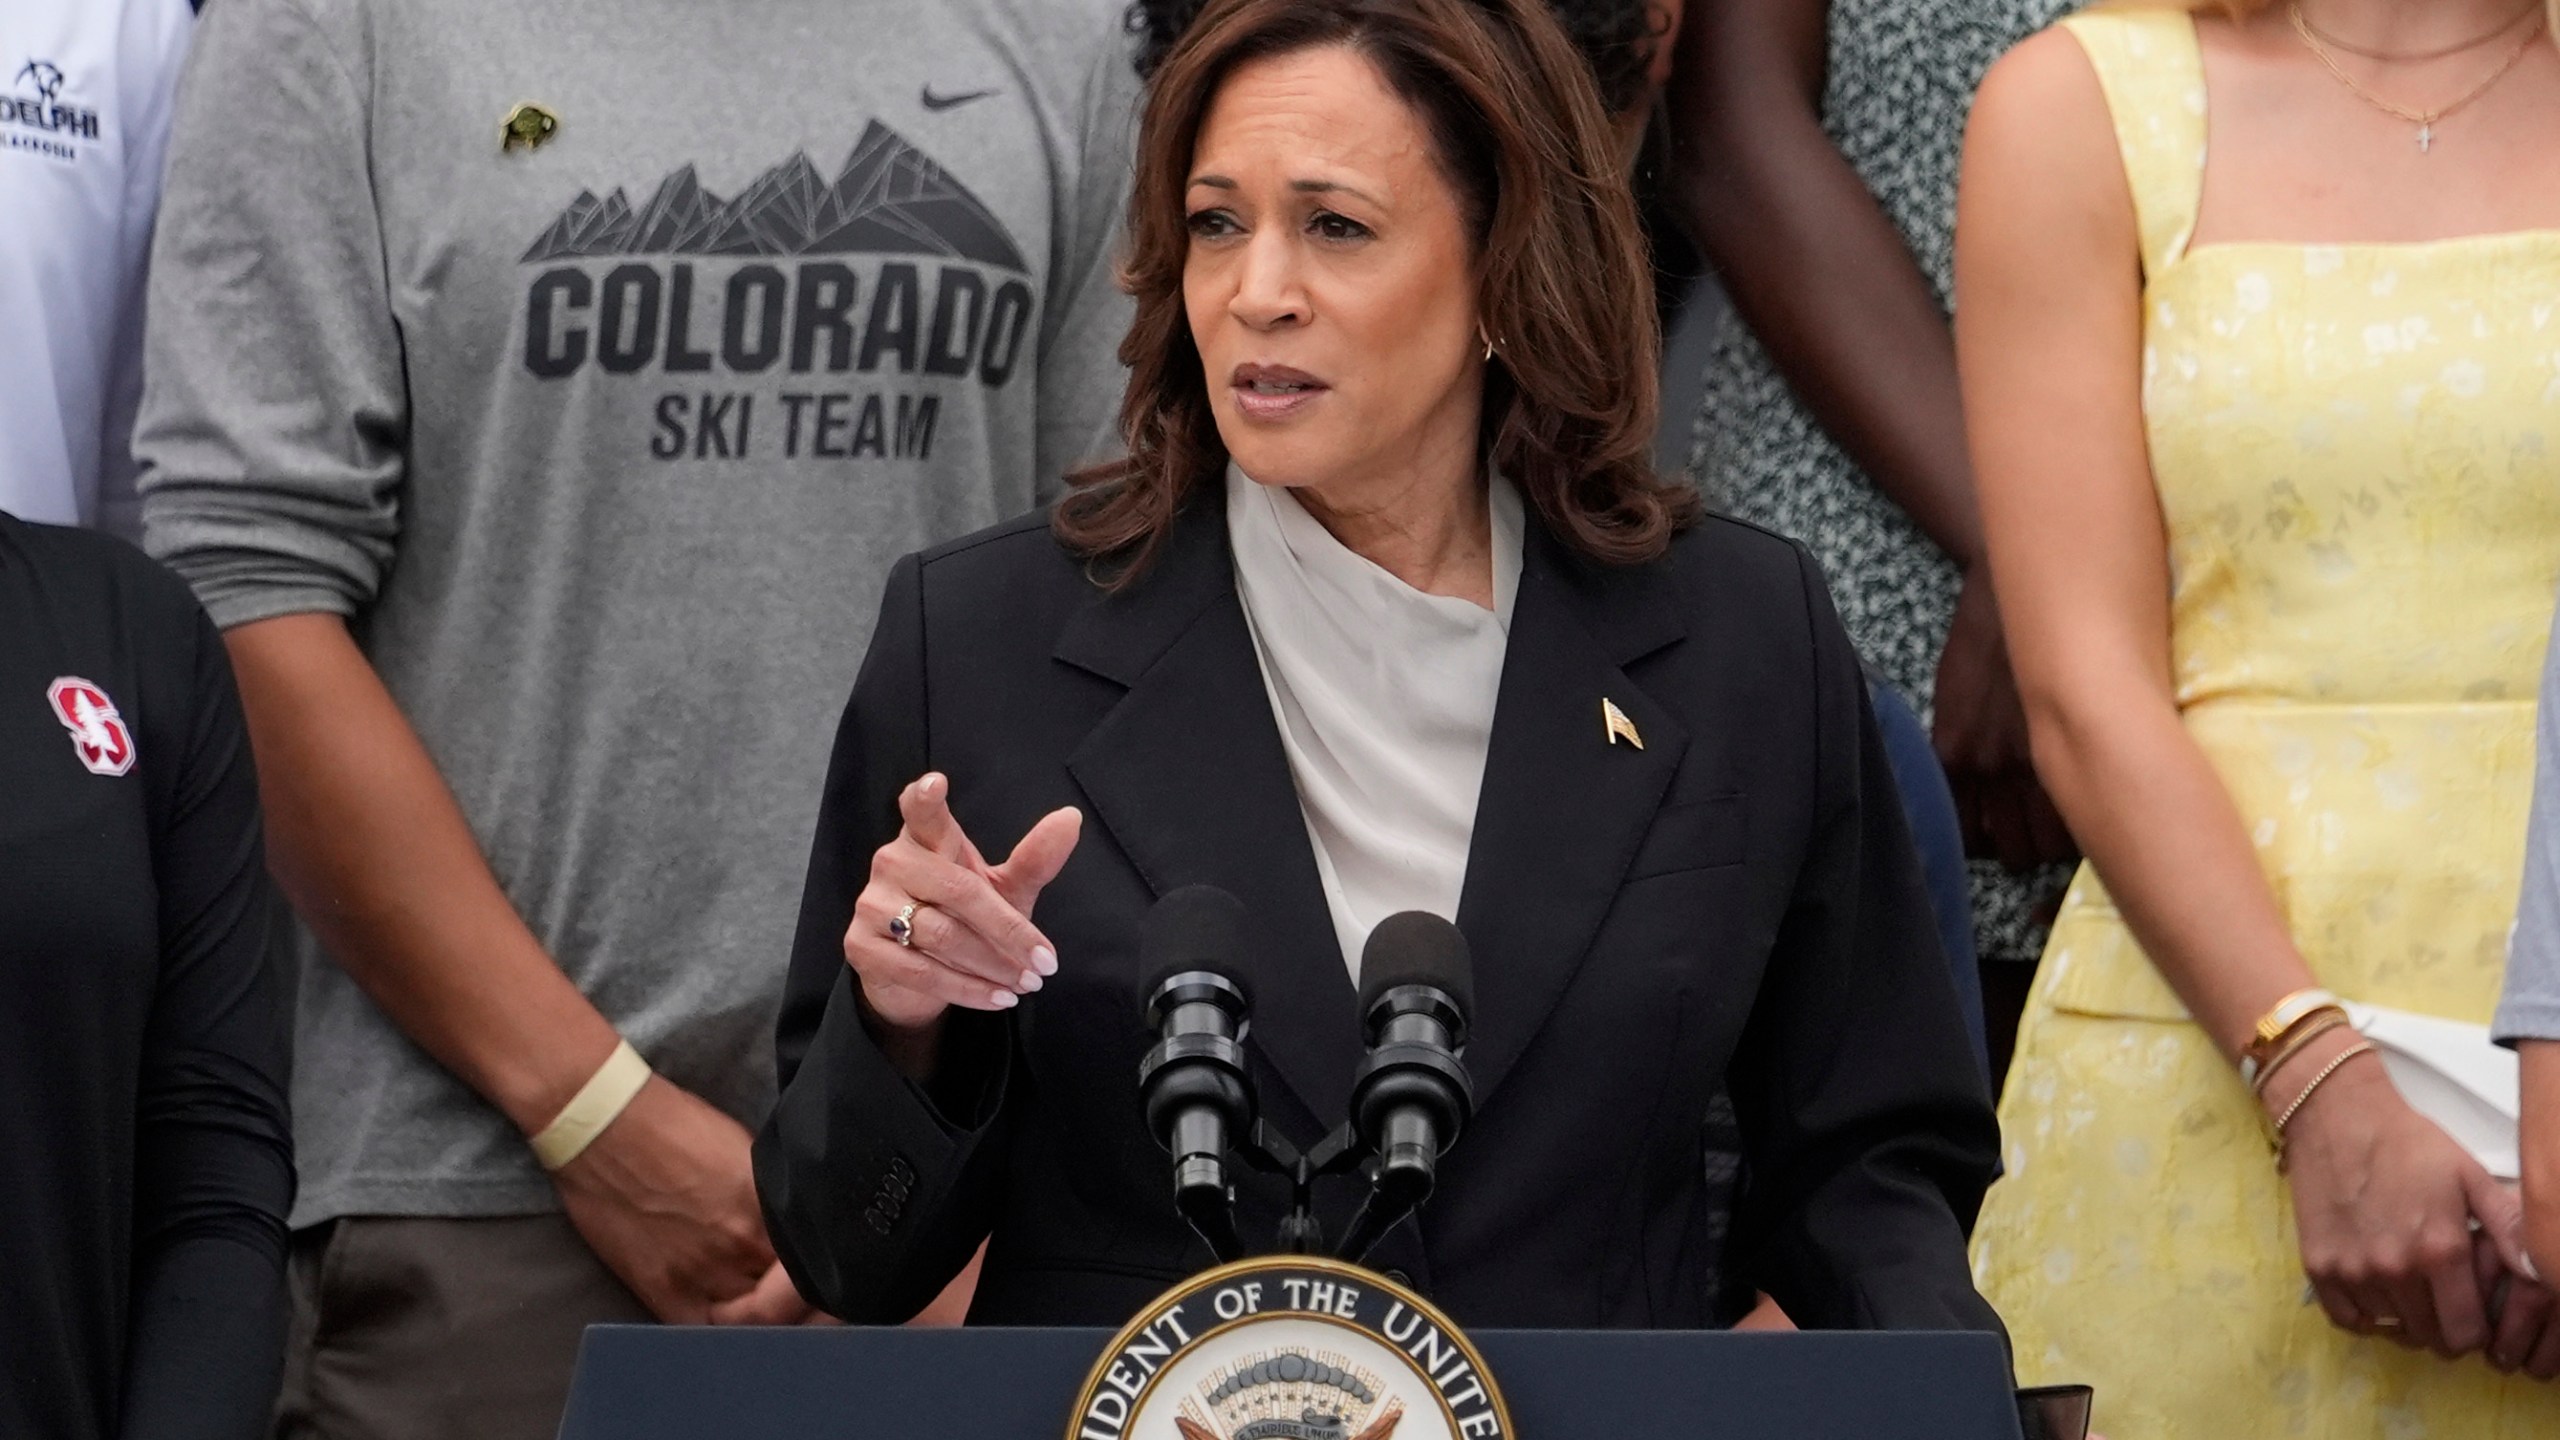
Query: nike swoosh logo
<point>945,102</point>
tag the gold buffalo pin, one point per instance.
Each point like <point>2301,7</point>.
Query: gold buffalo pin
<point>1618,724</point>
<point>527,125</point>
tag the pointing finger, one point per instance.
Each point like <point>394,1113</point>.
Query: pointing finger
<point>1038,858</point>
<point>1032,865</point>
<point>925,806</point>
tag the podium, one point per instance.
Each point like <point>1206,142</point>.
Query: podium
<point>638,1382</point>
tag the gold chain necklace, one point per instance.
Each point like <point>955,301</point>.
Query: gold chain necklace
<point>2425,120</point>
<point>2415,57</point>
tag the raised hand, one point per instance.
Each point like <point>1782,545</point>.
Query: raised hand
<point>969,940</point>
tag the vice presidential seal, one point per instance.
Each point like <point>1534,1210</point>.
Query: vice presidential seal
<point>1290,1347</point>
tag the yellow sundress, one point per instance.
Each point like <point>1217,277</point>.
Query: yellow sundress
<point>2357,451</point>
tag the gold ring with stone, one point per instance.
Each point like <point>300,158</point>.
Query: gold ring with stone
<point>902,926</point>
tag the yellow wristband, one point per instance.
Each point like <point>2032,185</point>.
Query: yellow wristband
<point>597,1104</point>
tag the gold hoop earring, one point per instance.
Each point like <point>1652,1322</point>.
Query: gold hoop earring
<point>1488,342</point>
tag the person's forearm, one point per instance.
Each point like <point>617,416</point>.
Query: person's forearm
<point>2150,811</point>
<point>377,859</point>
<point>206,1340</point>
<point>2541,1137</point>
<point>1829,288</point>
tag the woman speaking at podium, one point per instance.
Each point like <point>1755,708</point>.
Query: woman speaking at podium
<point>1384,610</point>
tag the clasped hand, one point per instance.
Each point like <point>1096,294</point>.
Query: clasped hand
<point>2405,1236</point>
<point>666,1197</point>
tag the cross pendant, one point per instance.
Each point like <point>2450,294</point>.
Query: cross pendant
<point>2426,138</point>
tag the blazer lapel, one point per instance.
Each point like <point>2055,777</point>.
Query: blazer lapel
<point>1187,774</point>
<point>1564,805</point>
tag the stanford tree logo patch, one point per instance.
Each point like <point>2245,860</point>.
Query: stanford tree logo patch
<point>98,733</point>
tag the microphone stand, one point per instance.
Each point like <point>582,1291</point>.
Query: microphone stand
<point>1401,1171</point>
<point>1409,1098</point>
<point>1394,1193</point>
<point>1301,1233</point>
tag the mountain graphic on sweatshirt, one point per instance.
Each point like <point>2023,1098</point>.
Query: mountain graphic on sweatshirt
<point>889,199</point>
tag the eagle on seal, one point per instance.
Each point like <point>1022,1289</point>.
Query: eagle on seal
<point>1381,1428</point>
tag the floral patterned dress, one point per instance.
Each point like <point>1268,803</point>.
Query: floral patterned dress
<point>1902,77</point>
<point>2357,451</point>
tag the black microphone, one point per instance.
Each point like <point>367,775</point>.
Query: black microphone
<point>1410,1097</point>
<point>1197,1094</point>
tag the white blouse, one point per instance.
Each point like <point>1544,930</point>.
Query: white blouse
<point>1384,697</point>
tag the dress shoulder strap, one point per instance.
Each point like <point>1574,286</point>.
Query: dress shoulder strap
<point>2153,75</point>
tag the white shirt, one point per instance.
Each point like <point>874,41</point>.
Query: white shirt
<point>85,93</point>
<point>1384,697</point>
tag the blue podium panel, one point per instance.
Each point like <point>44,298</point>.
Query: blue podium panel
<point>640,1382</point>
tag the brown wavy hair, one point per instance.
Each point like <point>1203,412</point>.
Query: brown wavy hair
<point>1564,283</point>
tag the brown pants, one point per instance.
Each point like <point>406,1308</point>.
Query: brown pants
<point>425,1329</point>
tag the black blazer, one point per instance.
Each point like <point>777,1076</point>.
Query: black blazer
<point>1736,903</point>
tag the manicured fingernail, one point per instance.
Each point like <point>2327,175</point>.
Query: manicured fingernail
<point>1029,981</point>
<point>1044,960</point>
<point>931,785</point>
<point>1006,999</point>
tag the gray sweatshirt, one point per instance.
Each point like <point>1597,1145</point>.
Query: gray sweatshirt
<point>2530,1006</point>
<point>603,429</point>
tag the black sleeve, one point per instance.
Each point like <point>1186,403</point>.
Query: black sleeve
<point>214,1154</point>
<point>1868,1133</point>
<point>875,1189</point>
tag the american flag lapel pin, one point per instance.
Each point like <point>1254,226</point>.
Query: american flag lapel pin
<point>1617,724</point>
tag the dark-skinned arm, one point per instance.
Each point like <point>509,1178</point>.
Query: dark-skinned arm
<point>1810,259</point>
<point>1812,263</point>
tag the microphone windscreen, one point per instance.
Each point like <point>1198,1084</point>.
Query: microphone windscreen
<point>1417,947</point>
<point>1198,927</point>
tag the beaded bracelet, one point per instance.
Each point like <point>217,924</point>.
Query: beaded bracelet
<point>2361,1047</point>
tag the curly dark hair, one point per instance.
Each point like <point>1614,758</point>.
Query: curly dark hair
<point>1616,38</point>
